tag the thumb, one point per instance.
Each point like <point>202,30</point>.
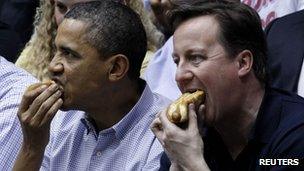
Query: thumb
<point>155,2</point>
<point>156,128</point>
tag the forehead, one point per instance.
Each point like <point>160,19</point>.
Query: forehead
<point>72,26</point>
<point>205,25</point>
<point>71,30</point>
<point>198,31</point>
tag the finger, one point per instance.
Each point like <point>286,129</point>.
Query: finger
<point>201,115</point>
<point>154,3</point>
<point>192,117</point>
<point>45,107</point>
<point>163,118</point>
<point>156,6</point>
<point>51,113</point>
<point>29,96</point>
<point>158,114</point>
<point>156,126</point>
<point>42,97</point>
<point>33,86</point>
<point>157,129</point>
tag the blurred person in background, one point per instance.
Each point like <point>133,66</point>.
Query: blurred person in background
<point>9,43</point>
<point>13,82</point>
<point>161,8</point>
<point>285,39</point>
<point>18,16</point>
<point>40,50</point>
<point>272,9</point>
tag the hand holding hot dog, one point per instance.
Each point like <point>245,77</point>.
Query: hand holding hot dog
<point>39,104</point>
<point>183,146</point>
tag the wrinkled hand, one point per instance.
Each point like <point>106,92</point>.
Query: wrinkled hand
<point>156,3</point>
<point>184,147</point>
<point>160,9</point>
<point>36,111</point>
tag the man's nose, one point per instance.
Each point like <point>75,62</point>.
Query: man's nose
<point>183,76</point>
<point>55,67</point>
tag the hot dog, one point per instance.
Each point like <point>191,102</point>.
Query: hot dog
<point>34,86</point>
<point>178,110</point>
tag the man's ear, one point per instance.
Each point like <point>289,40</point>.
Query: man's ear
<point>119,66</point>
<point>244,60</point>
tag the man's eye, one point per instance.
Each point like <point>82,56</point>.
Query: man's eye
<point>68,54</point>
<point>62,8</point>
<point>196,59</point>
<point>65,53</point>
<point>175,60</point>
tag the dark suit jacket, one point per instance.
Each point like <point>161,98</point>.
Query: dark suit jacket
<point>278,133</point>
<point>285,38</point>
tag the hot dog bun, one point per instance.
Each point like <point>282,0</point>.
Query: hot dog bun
<point>178,110</point>
<point>34,86</point>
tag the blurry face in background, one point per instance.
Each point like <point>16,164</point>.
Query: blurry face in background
<point>63,6</point>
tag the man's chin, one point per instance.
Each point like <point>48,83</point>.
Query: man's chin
<point>65,106</point>
<point>68,106</point>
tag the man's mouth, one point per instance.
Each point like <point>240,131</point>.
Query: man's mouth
<point>192,90</point>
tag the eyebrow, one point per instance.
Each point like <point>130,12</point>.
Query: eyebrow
<point>196,50</point>
<point>189,51</point>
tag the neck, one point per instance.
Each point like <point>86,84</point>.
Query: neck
<point>117,105</point>
<point>235,128</point>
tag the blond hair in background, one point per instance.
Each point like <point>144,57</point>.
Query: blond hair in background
<point>39,51</point>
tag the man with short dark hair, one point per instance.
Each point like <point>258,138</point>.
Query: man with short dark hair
<point>220,48</point>
<point>160,73</point>
<point>100,47</point>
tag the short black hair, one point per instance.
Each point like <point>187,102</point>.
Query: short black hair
<point>239,29</point>
<point>113,28</point>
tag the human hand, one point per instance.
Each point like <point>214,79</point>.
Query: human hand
<point>160,9</point>
<point>36,111</point>
<point>184,147</point>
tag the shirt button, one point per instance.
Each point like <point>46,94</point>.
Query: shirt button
<point>98,153</point>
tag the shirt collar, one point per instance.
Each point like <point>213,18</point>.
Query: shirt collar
<point>128,121</point>
<point>90,125</point>
<point>140,109</point>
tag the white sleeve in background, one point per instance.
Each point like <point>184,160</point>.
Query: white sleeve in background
<point>300,5</point>
<point>160,73</point>
<point>269,10</point>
